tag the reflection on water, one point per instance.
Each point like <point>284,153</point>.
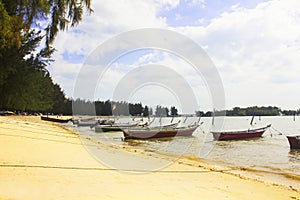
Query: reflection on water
<point>271,152</point>
<point>294,157</point>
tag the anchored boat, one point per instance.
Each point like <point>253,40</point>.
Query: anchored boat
<point>159,132</point>
<point>237,135</point>
<point>56,119</point>
<point>294,141</point>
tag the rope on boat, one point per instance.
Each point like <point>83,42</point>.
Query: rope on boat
<point>280,133</point>
<point>202,130</point>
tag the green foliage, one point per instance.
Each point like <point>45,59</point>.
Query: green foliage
<point>59,100</point>
<point>11,26</point>
<point>108,108</point>
<point>254,110</point>
<point>290,112</point>
<point>161,111</point>
<point>24,84</point>
<point>146,111</point>
<point>249,111</point>
<point>17,17</point>
<point>174,111</point>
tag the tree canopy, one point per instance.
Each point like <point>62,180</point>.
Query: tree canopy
<point>20,16</point>
<point>25,84</point>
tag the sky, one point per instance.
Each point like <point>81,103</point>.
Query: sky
<point>253,44</point>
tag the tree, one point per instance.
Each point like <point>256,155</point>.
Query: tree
<point>199,113</point>
<point>146,111</point>
<point>161,111</point>
<point>59,100</point>
<point>17,17</point>
<point>174,111</point>
<point>25,84</point>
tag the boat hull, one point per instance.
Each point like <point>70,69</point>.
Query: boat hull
<point>53,119</point>
<point>294,141</point>
<point>106,129</point>
<point>239,135</point>
<point>150,133</point>
<point>110,128</point>
<point>87,124</point>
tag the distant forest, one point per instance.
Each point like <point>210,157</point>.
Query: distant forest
<point>250,111</point>
<point>109,108</point>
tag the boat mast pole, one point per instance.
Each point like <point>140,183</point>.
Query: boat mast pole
<point>251,123</point>
<point>160,121</point>
<point>213,118</point>
<point>185,119</point>
<point>199,120</point>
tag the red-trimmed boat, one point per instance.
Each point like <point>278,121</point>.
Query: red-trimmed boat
<point>294,141</point>
<point>238,135</point>
<point>148,133</point>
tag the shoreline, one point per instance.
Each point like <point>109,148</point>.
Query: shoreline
<point>288,180</point>
<point>43,160</point>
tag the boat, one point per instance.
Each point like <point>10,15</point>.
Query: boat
<point>158,132</point>
<point>294,141</point>
<point>122,126</point>
<point>114,127</point>
<point>6,113</point>
<point>91,122</point>
<point>237,135</point>
<point>87,123</point>
<point>56,119</point>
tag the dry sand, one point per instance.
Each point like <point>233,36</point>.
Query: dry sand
<point>41,160</point>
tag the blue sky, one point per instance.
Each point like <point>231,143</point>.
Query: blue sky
<point>253,44</point>
<point>200,12</point>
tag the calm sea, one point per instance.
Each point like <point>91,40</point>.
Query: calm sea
<point>269,153</point>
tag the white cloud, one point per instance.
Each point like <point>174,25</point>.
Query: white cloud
<point>168,71</point>
<point>167,4</point>
<point>255,50</point>
<point>201,3</point>
<point>109,18</point>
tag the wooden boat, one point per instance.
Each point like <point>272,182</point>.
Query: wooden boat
<point>158,132</point>
<point>87,123</point>
<point>237,135</point>
<point>294,141</point>
<point>114,127</point>
<point>6,113</point>
<point>122,126</point>
<point>91,122</point>
<point>173,125</point>
<point>56,119</point>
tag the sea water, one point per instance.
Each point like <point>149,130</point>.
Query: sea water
<point>269,153</point>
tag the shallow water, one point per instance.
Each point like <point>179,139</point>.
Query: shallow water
<point>270,152</point>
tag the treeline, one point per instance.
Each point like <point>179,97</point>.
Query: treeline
<point>250,111</point>
<point>109,108</point>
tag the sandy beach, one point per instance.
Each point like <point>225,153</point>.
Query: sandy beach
<point>42,160</point>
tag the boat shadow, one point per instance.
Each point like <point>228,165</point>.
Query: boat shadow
<point>241,140</point>
<point>137,142</point>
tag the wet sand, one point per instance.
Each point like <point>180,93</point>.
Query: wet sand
<point>41,160</point>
